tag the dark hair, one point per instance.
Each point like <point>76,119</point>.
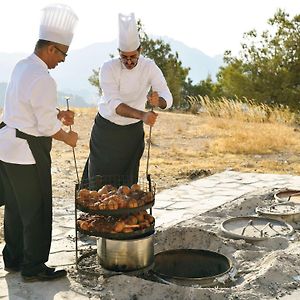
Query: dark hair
<point>42,43</point>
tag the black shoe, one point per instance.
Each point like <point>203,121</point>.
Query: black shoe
<point>48,269</point>
<point>47,274</point>
<point>12,269</point>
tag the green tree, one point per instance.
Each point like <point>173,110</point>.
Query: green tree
<point>94,80</point>
<point>267,68</point>
<point>204,88</point>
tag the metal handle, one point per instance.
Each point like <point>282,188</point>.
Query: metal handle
<point>148,158</point>
<point>148,151</point>
<point>74,156</point>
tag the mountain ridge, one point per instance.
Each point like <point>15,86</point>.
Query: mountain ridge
<point>72,76</point>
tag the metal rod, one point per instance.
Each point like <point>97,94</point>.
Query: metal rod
<point>293,195</point>
<point>74,156</point>
<point>76,234</point>
<point>148,152</point>
<point>148,158</point>
<point>272,227</point>
<point>76,187</point>
<point>257,229</point>
<point>262,230</point>
<point>248,224</point>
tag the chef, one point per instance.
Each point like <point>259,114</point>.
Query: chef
<point>117,138</point>
<point>30,121</point>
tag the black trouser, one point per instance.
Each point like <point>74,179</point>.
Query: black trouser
<point>115,150</point>
<point>27,243</point>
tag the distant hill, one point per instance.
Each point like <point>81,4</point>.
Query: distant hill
<point>75,100</point>
<point>201,64</point>
<point>72,76</point>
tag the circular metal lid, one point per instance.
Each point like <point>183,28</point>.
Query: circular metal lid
<point>285,195</point>
<point>253,228</point>
<point>281,209</point>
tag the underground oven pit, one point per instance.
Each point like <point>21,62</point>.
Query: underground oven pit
<point>192,267</point>
<point>182,256</point>
<point>264,269</point>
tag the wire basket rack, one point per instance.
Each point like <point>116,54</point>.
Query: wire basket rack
<point>88,238</point>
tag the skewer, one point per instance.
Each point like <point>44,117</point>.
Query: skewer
<point>78,184</point>
<point>148,157</point>
<point>148,152</point>
<point>74,156</point>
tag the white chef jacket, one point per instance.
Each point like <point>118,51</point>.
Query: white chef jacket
<point>120,85</point>
<point>30,106</point>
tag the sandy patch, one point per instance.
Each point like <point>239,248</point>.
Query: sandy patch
<point>265,269</point>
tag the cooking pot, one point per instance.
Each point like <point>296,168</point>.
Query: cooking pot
<point>287,211</point>
<point>126,255</point>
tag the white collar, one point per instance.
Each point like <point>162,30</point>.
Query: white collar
<point>36,59</point>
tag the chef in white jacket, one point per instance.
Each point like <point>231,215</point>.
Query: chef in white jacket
<point>30,120</point>
<point>117,138</point>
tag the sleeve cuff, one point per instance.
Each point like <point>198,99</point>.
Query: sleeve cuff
<point>56,128</point>
<point>113,104</point>
<point>168,99</point>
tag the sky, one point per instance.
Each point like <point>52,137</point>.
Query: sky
<point>211,26</point>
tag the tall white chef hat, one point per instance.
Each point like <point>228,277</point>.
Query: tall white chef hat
<point>57,24</point>
<point>128,34</point>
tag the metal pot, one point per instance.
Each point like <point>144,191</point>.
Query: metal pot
<point>288,195</point>
<point>126,255</point>
<point>287,211</point>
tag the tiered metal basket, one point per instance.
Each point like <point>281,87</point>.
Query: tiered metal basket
<point>144,234</point>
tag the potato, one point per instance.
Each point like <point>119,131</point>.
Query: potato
<point>123,190</point>
<point>135,187</point>
<point>132,203</point>
<point>94,195</point>
<point>84,194</point>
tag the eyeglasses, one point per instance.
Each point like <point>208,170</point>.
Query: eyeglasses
<point>62,52</point>
<point>133,59</point>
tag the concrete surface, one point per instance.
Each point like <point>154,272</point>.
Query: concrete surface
<point>172,206</point>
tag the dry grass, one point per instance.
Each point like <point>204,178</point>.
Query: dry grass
<point>241,109</point>
<point>223,136</point>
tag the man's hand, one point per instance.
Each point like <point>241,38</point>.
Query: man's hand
<point>66,117</point>
<point>70,138</point>
<point>155,101</point>
<point>149,118</point>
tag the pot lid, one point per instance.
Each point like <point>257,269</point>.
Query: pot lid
<point>292,195</point>
<point>252,228</point>
<point>280,210</point>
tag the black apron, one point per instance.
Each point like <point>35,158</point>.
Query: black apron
<point>1,192</point>
<point>115,152</point>
<point>1,184</point>
<point>40,148</point>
